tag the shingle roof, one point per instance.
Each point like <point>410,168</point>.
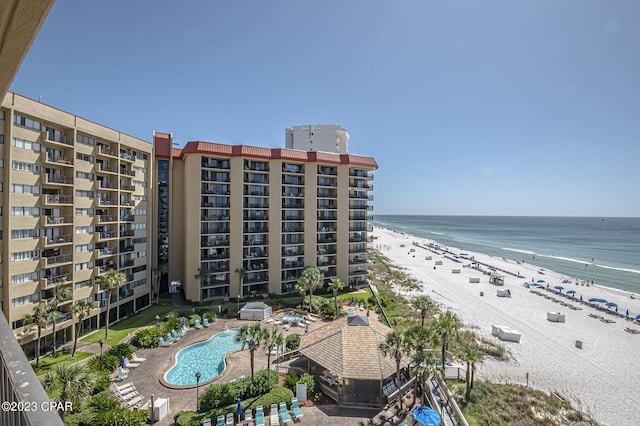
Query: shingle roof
<point>350,351</point>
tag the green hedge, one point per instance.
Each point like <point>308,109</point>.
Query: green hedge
<point>276,396</point>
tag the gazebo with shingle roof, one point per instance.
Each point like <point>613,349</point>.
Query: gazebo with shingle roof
<point>345,356</point>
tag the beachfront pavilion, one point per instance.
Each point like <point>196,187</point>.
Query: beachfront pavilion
<point>345,358</point>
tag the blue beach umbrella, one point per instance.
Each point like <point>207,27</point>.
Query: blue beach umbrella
<point>123,362</point>
<point>571,292</point>
<point>238,410</point>
<point>581,298</point>
<point>425,415</point>
<point>638,317</point>
<point>627,314</point>
<point>593,299</point>
<point>612,304</point>
<point>559,288</point>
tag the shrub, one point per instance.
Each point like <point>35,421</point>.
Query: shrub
<point>293,342</point>
<point>210,315</point>
<point>103,363</point>
<point>290,381</point>
<point>188,418</point>
<point>146,338</point>
<point>193,318</point>
<point>121,350</point>
<point>276,396</point>
<point>308,380</point>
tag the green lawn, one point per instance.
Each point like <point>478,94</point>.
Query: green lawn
<point>49,363</point>
<point>120,330</point>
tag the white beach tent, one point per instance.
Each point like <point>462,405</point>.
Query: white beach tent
<point>255,311</point>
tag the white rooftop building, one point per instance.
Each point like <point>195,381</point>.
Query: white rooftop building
<point>322,137</point>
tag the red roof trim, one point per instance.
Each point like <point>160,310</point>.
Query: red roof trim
<point>163,142</point>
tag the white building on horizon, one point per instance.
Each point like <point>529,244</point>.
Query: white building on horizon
<point>318,137</point>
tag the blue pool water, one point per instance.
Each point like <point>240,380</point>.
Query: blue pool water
<point>205,357</point>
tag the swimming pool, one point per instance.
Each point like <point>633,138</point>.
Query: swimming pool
<point>292,318</point>
<point>205,357</point>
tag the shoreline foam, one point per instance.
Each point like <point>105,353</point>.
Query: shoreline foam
<point>599,378</point>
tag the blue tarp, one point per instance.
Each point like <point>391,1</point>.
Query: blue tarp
<point>427,416</point>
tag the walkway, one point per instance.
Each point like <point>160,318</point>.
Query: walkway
<point>445,409</point>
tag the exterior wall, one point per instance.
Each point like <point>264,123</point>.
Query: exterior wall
<point>325,137</point>
<point>267,212</point>
<point>90,191</point>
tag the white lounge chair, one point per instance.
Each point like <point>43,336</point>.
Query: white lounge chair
<point>134,401</point>
<point>136,358</point>
<point>229,420</point>
<point>121,388</point>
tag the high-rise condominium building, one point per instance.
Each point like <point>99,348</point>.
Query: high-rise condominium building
<point>242,220</point>
<point>318,137</point>
<point>75,202</point>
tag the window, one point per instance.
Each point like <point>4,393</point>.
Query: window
<point>85,157</point>
<point>82,266</point>
<point>139,254</point>
<point>84,230</point>
<point>139,169</point>
<point>1,163</point>
<point>1,139</point>
<point>141,212</point>
<point>83,193</point>
<point>24,233</point>
<point>138,283</point>
<point>85,283</point>
<point>138,269</point>
<point>140,198</point>
<point>87,140</point>
<point>85,175</point>
<point>84,212</point>
<point>25,211</point>
<point>139,226</point>
<point>24,278</point>
<point>139,183</point>
<point>25,167</point>
<point>27,122</point>
<point>25,255</point>
<point>21,143</point>
<point>1,115</point>
<point>141,240</point>
<point>19,301</point>
<point>84,247</point>
<point>25,189</point>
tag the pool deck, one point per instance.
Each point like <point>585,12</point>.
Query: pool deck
<point>148,377</point>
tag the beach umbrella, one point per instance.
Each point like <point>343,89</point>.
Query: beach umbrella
<point>571,292</point>
<point>638,317</point>
<point>425,415</point>
<point>123,362</point>
<point>559,287</point>
<point>627,314</point>
<point>541,281</point>
<point>612,304</point>
<point>581,298</point>
<point>593,299</point>
<point>238,410</point>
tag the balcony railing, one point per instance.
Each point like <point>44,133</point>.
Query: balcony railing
<point>127,187</point>
<point>58,239</point>
<point>20,386</point>
<point>107,168</point>
<point>58,180</point>
<point>107,151</point>
<point>57,220</point>
<point>54,260</point>
<point>57,199</point>
<point>57,138</point>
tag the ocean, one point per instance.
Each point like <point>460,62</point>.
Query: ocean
<point>603,250</point>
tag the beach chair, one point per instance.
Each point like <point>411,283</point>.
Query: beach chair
<point>130,364</point>
<point>123,388</point>
<point>172,338</point>
<point>274,418</point>
<point>297,412</point>
<point>121,376</point>
<point>136,358</point>
<point>134,401</point>
<point>259,416</point>
<point>127,396</point>
<point>176,334</point>
<point>220,421</point>
<point>284,413</point>
<point>206,322</point>
<point>197,325</point>
<point>164,342</point>
<point>207,422</point>
<point>229,420</point>
<point>248,415</point>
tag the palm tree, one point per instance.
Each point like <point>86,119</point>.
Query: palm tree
<point>60,294</point>
<point>336,285</point>
<point>72,383</point>
<point>40,318</point>
<point>447,327</point>
<point>111,279</point>
<point>241,272</point>
<point>203,275</point>
<point>272,339</point>
<point>82,308</point>
<point>251,336</point>
<point>471,356</point>
<point>310,279</point>
<point>424,304</point>
<point>395,346</point>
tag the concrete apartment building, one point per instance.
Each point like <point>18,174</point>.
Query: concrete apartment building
<point>322,137</point>
<point>252,218</point>
<point>76,200</point>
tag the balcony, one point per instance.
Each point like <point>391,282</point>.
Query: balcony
<point>127,217</point>
<point>104,201</point>
<point>127,172</point>
<point>49,282</point>
<point>105,150</point>
<point>52,241</point>
<point>126,264</point>
<point>51,179</point>
<point>292,180</point>
<point>56,138</point>
<point>105,251</point>
<point>107,168</point>
<point>20,385</point>
<point>127,233</point>
<point>107,218</point>
<point>361,173</point>
<point>106,235</point>
<point>56,220</point>
<point>46,262</point>
<point>292,216</point>
<point>56,200</point>
<point>60,161</point>
<point>294,228</point>
<point>128,188</point>
<point>127,157</point>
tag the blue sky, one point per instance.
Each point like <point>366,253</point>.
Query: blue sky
<point>469,107</point>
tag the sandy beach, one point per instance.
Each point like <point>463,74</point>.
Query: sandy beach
<point>601,378</point>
